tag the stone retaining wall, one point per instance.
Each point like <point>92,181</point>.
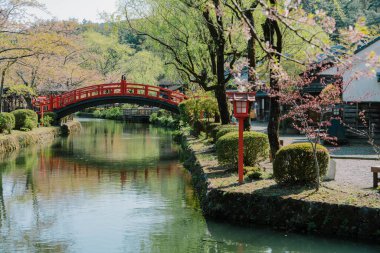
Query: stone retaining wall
<point>287,214</point>
<point>18,139</point>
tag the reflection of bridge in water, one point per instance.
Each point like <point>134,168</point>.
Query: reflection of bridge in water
<point>52,165</point>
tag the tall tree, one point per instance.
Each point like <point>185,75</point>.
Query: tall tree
<point>199,38</point>
<point>286,39</point>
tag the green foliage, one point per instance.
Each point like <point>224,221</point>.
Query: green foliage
<point>295,163</point>
<point>110,113</point>
<point>113,113</point>
<point>29,124</point>
<point>191,109</point>
<point>253,173</point>
<point>209,106</point>
<point>47,121</point>
<point>98,113</point>
<point>164,119</point>
<point>7,122</point>
<point>209,127</point>
<point>144,67</point>
<point>256,148</point>
<point>347,12</point>
<point>53,118</point>
<point>177,136</point>
<point>20,90</point>
<point>215,130</point>
<point>25,119</point>
<point>224,131</point>
<point>111,58</point>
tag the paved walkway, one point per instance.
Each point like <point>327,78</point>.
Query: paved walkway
<point>353,161</point>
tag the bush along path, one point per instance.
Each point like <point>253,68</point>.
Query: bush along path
<point>285,201</point>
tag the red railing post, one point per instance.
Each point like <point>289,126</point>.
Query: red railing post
<point>51,101</point>
<point>146,91</point>
<point>123,86</point>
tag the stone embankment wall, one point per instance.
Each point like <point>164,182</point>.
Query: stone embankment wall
<point>280,213</point>
<point>18,140</point>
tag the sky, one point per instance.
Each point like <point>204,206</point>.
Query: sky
<point>78,9</point>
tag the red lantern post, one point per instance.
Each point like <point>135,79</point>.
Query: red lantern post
<point>241,101</point>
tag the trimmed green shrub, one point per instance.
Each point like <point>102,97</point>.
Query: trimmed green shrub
<point>109,113</point>
<point>209,127</point>
<point>52,115</point>
<point>113,113</point>
<point>256,148</point>
<point>253,173</point>
<point>47,121</point>
<point>98,113</point>
<point>7,122</point>
<point>215,130</point>
<point>294,164</point>
<point>225,131</point>
<point>26,119</point>
<point>28,125</point>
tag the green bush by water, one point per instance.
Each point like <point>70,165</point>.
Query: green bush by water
<point>294,164</point>
<point>7,122</point>
<point>109,113</point>
<point>25,119</point>
<point>164,119</point>
<point>256,148</point>
<point>47,120</point>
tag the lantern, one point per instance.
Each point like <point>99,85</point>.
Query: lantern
<point>241,101</point>
<point>241,109</point>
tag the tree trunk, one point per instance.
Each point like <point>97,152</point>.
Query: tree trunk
<point>2,88</point>
<point>220,94</point>
<point>316,164</point>
<point>271,31</point>
<point>274,123</point>
<point>29,102</point>
<point>251,53</point>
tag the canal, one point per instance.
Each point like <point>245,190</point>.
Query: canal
<point>118,187</point>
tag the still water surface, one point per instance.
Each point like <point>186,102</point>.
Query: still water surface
<point>120,188</point>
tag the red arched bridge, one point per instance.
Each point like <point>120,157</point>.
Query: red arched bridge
<point>123,92</point>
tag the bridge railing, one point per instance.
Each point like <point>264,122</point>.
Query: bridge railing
<point>108,90</point>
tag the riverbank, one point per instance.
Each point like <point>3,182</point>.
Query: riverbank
<point>333,211</point>
<point>19,139</point>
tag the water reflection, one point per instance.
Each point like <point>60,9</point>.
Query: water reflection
<point>119,188</point>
